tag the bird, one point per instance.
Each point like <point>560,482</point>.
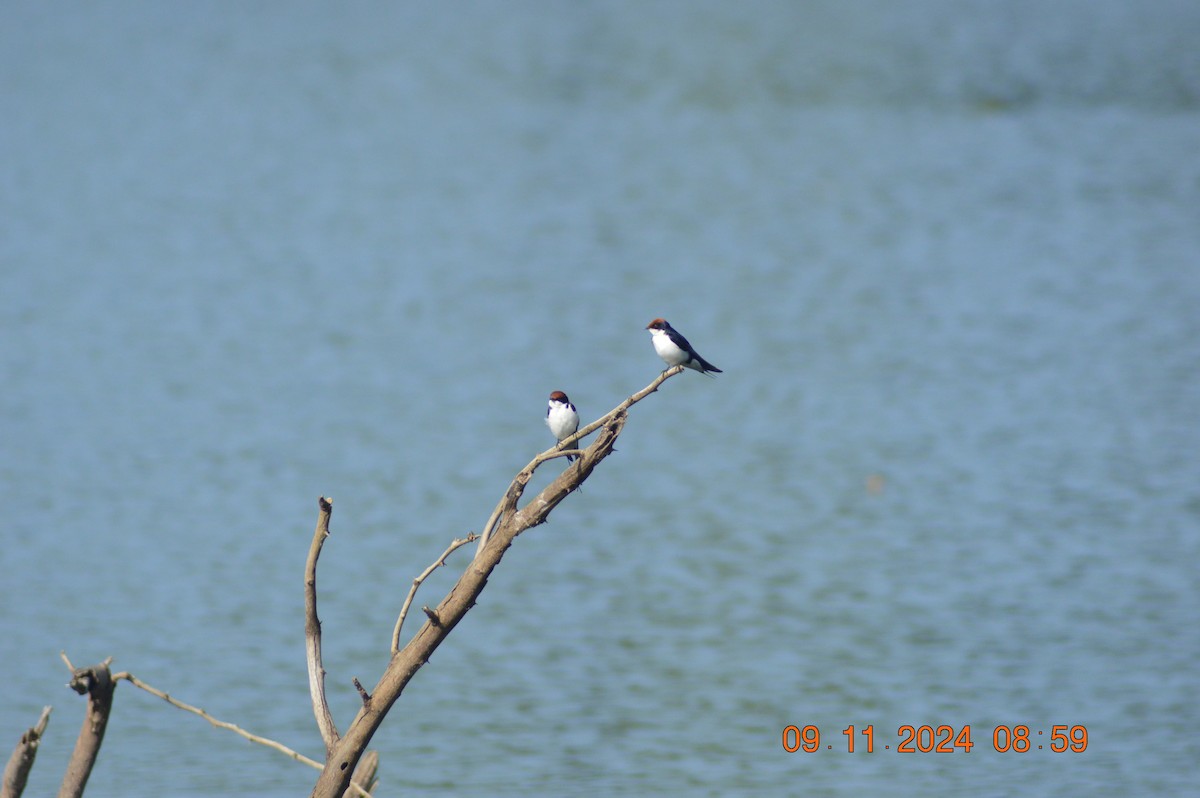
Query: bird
<point>675,349</point>
<point>563,419</point>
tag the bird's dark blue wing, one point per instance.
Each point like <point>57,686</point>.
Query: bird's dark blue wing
<point>679,340</point>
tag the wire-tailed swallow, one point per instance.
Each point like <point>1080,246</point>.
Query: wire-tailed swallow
<point>675,349</point>
<point>563,420</point>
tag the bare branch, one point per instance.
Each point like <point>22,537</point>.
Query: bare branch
<point>493,519</point>
<point>97,684</point>
<point>220,724</point>
<point>412,591</point>
<point>312,630</point>
<point>507,523</point>
<point>364,774</point>
<point>556,452</point>
<point>628,403</point>
<point>16,772</point>
<point>362,691</point>
<point>254,738</point>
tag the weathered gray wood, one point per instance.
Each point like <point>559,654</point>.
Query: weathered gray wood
<point>508,523</point>
<point>16,772</point>
<point>97,684</point>
<point>312,631</point>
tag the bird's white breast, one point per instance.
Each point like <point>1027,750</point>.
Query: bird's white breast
<point>667,350</point>
<point>561,421</point>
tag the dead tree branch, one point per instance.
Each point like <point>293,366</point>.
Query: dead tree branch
<point>16,772</point>
<point>561,449</point>
<point>97,684</point>
<point>221,724</point>
<point>312,630</point>
<point>412,591</point>
<point>506,524</point>
<point>364,774</point>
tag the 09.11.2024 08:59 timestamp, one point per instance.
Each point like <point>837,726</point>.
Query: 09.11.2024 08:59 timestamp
<point>941,739</point>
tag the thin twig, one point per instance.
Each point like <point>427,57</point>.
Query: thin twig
<point>233,727</point>
<point>43,721</point>
<point>416,583</point>
<point>362,691</point>
<point>633,400</point>
<point>312,630</point>
<point>492,521</point>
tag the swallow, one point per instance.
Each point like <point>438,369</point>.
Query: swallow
<point>675,349</point>
<point>563,420</point>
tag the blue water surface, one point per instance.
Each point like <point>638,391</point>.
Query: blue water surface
<point>945,252</point>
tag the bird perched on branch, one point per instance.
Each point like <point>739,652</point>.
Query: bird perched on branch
<point>675,349</point>
<point>563,419</point>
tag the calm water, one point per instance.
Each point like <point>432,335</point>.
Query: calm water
<point>946,253</point>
